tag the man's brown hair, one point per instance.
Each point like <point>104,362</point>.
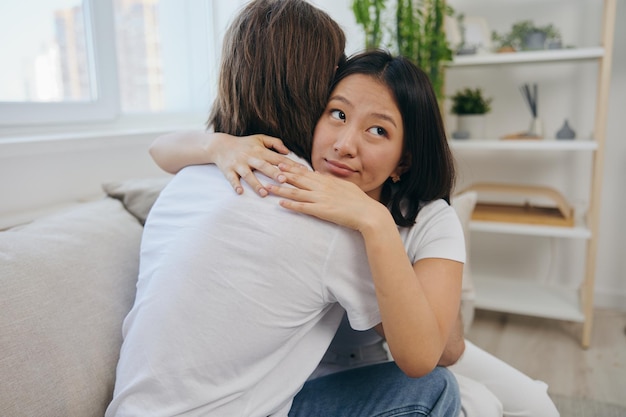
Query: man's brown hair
<point>278,62</point>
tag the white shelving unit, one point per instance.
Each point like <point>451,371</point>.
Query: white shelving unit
<point>525,145</point>
<point>529,57</point>
<point>532,296</point>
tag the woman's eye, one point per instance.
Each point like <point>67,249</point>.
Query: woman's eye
<point>377,130</point>
<point>338,114</point>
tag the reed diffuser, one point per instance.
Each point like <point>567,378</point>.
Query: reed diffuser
<point>535,129</point>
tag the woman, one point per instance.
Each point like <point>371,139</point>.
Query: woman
<point>500,378</point>
<point>177,150</point>
<point>240,332</point>
<point>231,334</point>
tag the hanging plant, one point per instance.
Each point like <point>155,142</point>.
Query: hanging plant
<point>418,33</point>
<point>367,14</point>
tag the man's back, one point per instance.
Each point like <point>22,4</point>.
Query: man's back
<point>236,301</point>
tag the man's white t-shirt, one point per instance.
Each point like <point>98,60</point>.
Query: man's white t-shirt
<point>236,302</point>
<point>238,299</point>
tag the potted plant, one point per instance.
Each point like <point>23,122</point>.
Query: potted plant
<point>505,42</point>
<point>417,33</point>
<point>470,107</point>
<point>553,37</point>
<point>525,35</point>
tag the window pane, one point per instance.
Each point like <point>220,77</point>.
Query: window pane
<point>96,60</point>
<point>140,65</point>
<point>44,53</point>
<point>163,54</point>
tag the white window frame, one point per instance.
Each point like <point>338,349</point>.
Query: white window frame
<point>102,61</point>
<point>197,51</point>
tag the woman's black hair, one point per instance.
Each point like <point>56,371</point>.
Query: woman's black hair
<point>430,173</point>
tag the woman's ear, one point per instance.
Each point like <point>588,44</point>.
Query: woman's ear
<point>403,166</point>
<point>395,175</point>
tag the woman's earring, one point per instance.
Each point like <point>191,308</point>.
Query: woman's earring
<point>395,178</point>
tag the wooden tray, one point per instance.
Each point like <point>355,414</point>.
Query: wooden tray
<point>562,214</point>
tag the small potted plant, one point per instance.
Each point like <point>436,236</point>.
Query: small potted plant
<point>525,35</point>
<point>505,42</point>
<point>553,37</point>
<point>470,107</point>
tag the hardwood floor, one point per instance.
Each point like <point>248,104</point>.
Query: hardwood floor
<point>550,350</point>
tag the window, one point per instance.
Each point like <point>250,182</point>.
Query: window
<point>74,61</point>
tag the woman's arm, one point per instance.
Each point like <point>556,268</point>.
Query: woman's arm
<point>236,157</point>
<point>418,303</point>
<point>455,346</point>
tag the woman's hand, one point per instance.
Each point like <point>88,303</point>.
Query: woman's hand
<point>238,157</point>
<point>326,197</point>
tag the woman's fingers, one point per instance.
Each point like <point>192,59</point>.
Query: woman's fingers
<point>268,166</point>
<point>295,194</point>
<point>273,143</point>
<point>233,179</point>
<point>262,153</point>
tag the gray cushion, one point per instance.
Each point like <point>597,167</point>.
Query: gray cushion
<point>137,195</point>
<point>67,281</point>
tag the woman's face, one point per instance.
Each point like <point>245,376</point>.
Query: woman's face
<point>360,134</point>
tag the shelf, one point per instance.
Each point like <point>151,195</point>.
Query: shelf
<point>577,232</point>
<point>523,145</point>
<point>548,55</point>
<point>527,297</point>
<point>531,296</point>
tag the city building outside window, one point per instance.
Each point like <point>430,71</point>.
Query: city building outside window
<point>69,61</point>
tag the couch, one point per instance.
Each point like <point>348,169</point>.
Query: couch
<point>67,282</point>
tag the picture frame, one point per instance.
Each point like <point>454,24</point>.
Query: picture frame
<point>476,34</point>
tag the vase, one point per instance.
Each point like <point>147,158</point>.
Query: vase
<point>471,124</point>
<point>536,128</point>
<point>534,41</point>
<point>565,132</point>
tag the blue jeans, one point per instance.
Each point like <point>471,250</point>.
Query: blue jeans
<point>381,390</point>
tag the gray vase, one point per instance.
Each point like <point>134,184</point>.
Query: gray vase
<point>565,132</point>
<point>534,41</point>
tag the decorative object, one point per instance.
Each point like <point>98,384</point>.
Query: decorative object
<point>525,36</point>
<point>565,132</point>
<point>477,33</point>
<point>455,34</point>
<point>536,128</point>
<point>501,206</point>
<point>417,32</point>
<point>470,126</point>
<point>474,35</point>
<point>553,37</point>
<point>470,107</point>
<point>461,134</point>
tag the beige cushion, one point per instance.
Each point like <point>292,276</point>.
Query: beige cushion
<point>464,204</point>
<point>137,195</point>
<point>67,282</point>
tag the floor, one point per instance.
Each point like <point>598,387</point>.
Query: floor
<point>550,350</point>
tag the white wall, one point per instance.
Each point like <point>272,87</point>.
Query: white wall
<point>62,169</point>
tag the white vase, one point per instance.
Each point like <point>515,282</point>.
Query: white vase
<point>473,124</point>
